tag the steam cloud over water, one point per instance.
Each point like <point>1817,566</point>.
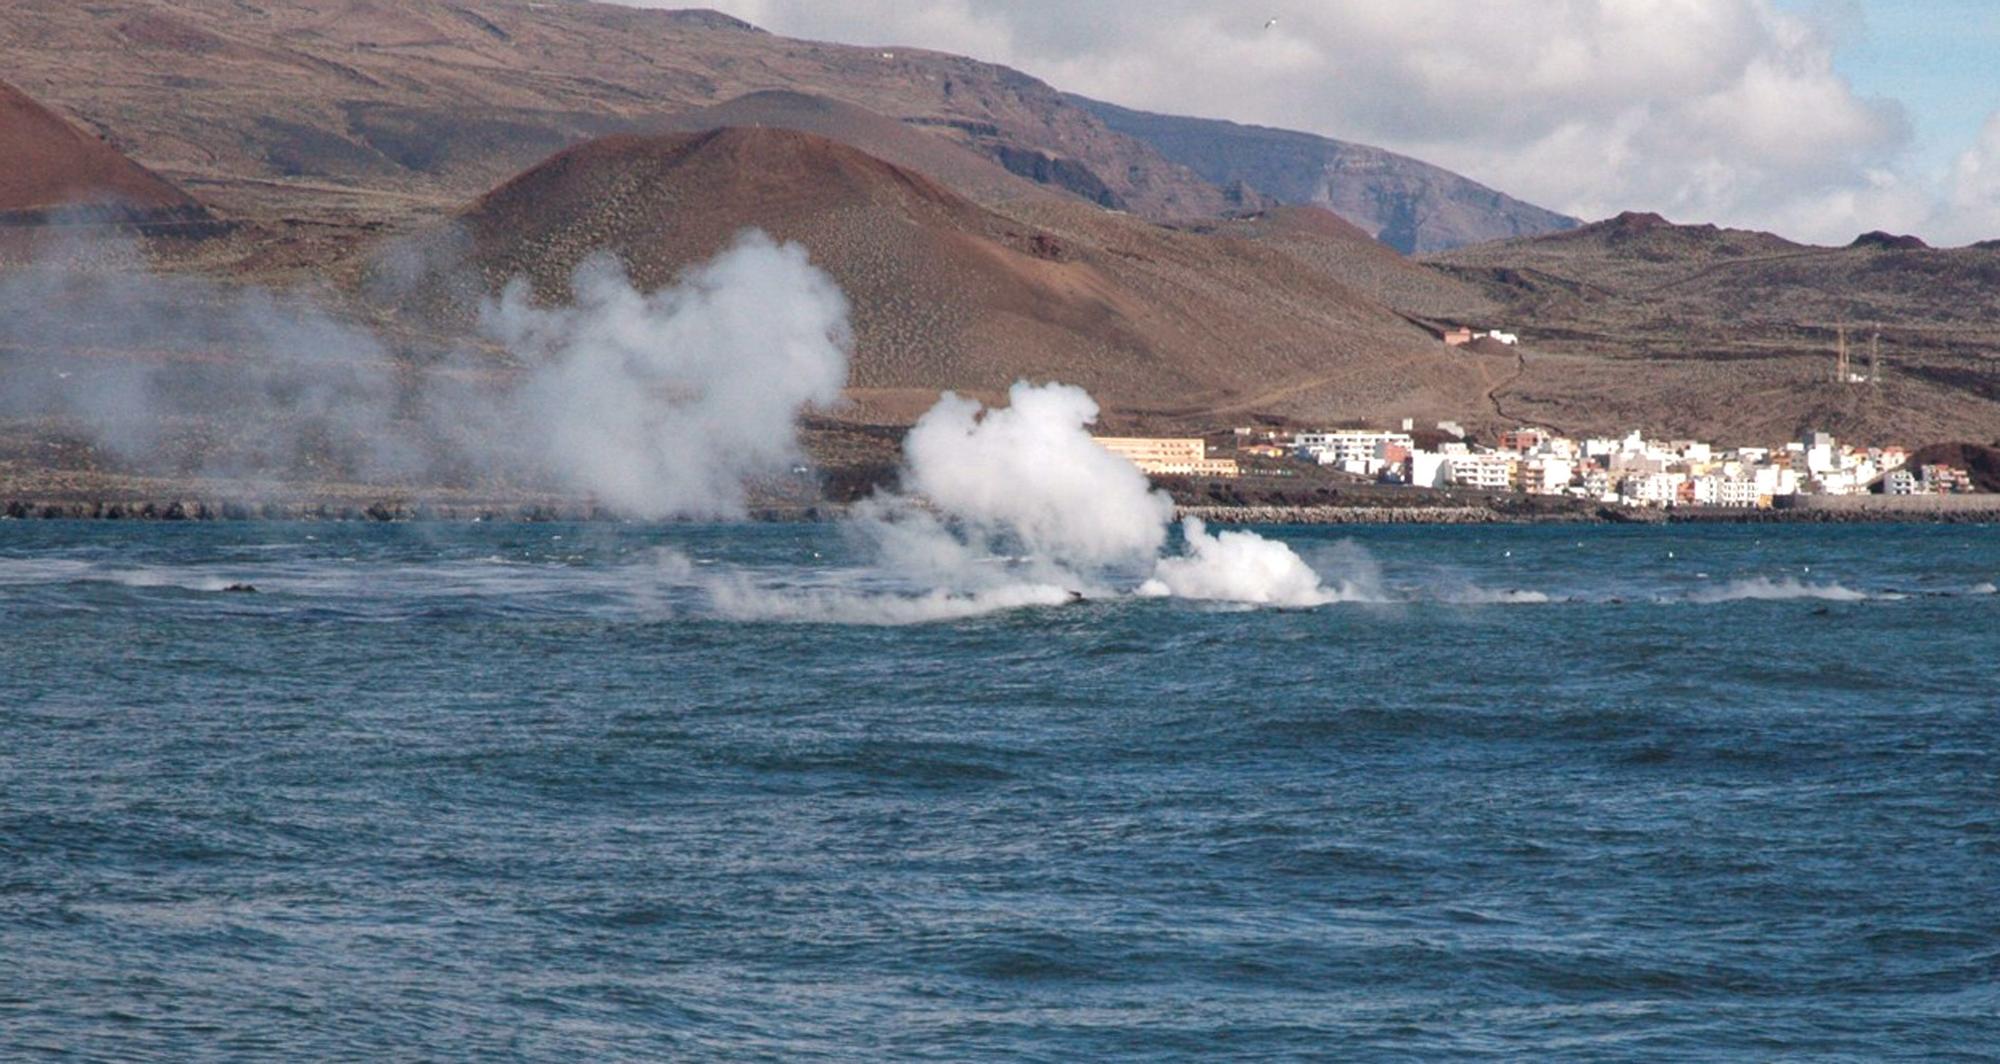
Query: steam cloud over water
<point>663,404</point>
<point>1030,471</point>
<point>659,404</point>
<point>1017,506</point>
<point>128,354</point>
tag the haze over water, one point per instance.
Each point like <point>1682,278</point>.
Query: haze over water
<point>566,792</point>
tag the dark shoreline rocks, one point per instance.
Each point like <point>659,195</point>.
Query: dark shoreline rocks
<point>384,512</point>
<point>1471,514</point>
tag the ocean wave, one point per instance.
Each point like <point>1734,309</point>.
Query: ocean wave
<point>182,579</point>
<point>737,599</point>
<point>1765,589</point>
<point>1473,595</point>
<point>43,571</point>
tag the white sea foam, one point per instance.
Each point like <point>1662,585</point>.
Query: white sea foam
<point>846,596</point>
<point>42,570</point>
<point>741,600</point>
<point>185,579</point>
<point>1765,589</point>
<point>1474,595</point>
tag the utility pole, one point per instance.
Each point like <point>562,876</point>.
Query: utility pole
<point>1840,353</point>
<point>1875,357</point>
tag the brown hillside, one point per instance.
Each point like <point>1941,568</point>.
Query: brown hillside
<point>1160,325</point>
<point>410,106</point>
<point>51,164</point>
<point>1638,322</point>
<point>1330,244</point>
<point>938,158</point>
<point>1981,461</point>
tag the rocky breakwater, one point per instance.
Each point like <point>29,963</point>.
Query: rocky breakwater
<point>1349,515</point>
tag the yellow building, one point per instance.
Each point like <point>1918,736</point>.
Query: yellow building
<point>1169,457</point>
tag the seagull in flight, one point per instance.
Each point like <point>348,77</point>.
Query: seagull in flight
<point>1270,22</point>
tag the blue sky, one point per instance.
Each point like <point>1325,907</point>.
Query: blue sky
<point>1939,58</point>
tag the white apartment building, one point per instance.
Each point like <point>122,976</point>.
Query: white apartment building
<point>1717,490</point>
<point>1427,469</point>
<point>1354,450</point>
<point>1775,480</point>
<point>1654,489</point>
<point>1547,475</point>
<point>1486,472</point>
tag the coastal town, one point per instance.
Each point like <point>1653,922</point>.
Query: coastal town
<point>1633,470</point>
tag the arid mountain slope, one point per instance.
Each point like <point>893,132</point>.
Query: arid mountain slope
<point>310,106</point>
<point>1639,321</point>
<point>1409,205</point>
<point>962,169</point>
<point>1162,326</point>
<point>50,165</point>
<point>1330,244</point>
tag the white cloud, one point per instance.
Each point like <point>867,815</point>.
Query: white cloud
<point>1707,110</point>
<point>1974,191</point>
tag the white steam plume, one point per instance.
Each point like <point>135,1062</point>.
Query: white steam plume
<point>1029,473</point>
<point>663,404</point>
<point>659,404</point>
<point>1238,567</point>
<point>1018,506</point>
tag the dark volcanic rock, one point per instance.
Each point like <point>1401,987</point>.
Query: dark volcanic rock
<point>1889,242</point>
<point>1982,462</point>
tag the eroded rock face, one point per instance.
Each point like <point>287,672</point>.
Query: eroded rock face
<point>1409,205</point>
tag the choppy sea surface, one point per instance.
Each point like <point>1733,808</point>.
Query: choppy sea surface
<point>544,792</point>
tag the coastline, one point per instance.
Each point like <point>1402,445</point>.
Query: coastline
<point>1986,510</point>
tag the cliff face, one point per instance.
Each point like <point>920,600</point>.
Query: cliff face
<point>1409,205</point>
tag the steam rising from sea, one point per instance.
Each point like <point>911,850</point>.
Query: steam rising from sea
<point>659,404</point>
<point>664,404</point>
<point>1017,506</point>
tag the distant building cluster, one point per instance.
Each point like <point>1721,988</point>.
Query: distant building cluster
<point>1463,335</point>
<point>1632,470</point>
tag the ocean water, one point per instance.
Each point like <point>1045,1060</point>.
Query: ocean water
<point>543,792</point>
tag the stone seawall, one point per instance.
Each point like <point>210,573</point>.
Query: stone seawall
<point>1946,509</point>
<point>1892,506</point>
<point>1362,515</point>
<point>207,510</point>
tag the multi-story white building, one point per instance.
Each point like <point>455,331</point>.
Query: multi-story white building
<point>1739,491</point>
<point>1773,481</point>
<point>1654,489</point>
<point>1721,490</point>
<point>1547,475</point>
<point>1485,472</point>
<point>1355,450</point>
